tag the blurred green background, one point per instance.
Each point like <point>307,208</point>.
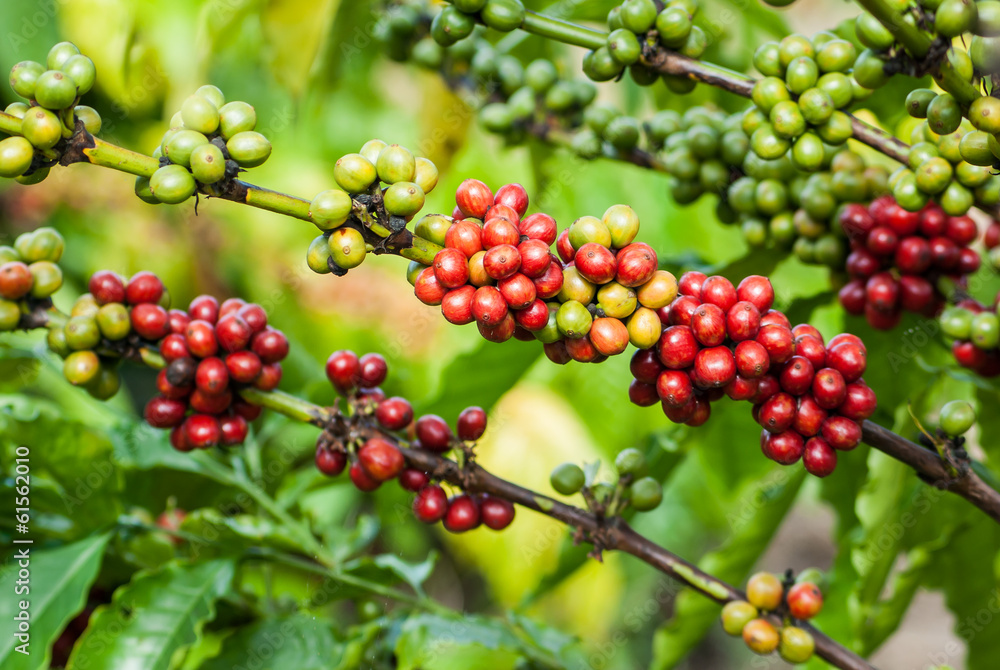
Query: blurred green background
<point>321,88</point>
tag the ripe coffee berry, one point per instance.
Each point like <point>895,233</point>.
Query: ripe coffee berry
<point>488,305</point>
<point>496,513</point>
<point>564,247</point>
<point>500,231</point>
<point>829,388</point>
<point>231,306</point>
<point>471,424</point>
<point>596,263</point>
<point>796,375</point>
<point>174,346</point>
<point>246,410</point>
<point>773,317</point>
<point>474,198</point>
<point>456,305</point>
<point>518,290</point>
<point>451,268</point>
<point>841,433</point>
<point>433,433</point>
<point>243,366</point>
<point>362,480</point>
<point>502,212</point>
<point>715,367</point>
<point>674,388</point>
<point>162,412</point>
<point>777,413</point>
<point>534,317</point>
<point>513,196</point>
<point>144,287</point>
<point>778,342</point>
<point>380,459</point>
<point>540,227</point>
<point>752,359</point>
<point>677,347</point>
<point>178,320</point>
<point>428,289</point>
<point>168,390</point>
<point>645,366</point>
<point>212,377</point>
<point>690,284</point>
<point>708,323</point>
<point>372,370</point>
<point>501,260</point>
<point>150,321</point>
<point>204,308</point>
<point>642,394</point>
<point>210,403</point>
<point>394,413</point>
<point>548,285</point>
<point>812,349</point>
<point>784,448</point>
<point>464,236</point>
<point>742,321</point>
<point>431,504</point>
<point>720,292</point>
<point>848,358</point>
<point>233,430</point>
<point>106,287</point>
<point>269,378</point>
<point>757,290</point>
<point>860,402</point>
<point>413,480</point>
<point>462,515</point>
<point>201,431</point>
<point>331,462</point>
<point>271,345</point>
<point>741,388</point>
<point>233,333</point>
<point>819,459</point>
<point>809,417</point>
<point>535,258</point>
<point>805,599</point>
<point>637,265</point>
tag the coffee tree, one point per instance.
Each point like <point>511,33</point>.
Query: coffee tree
<point>853,181</point>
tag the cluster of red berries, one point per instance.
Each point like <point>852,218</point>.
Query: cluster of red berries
<point>212,351</point>
<point>897,256</point>
<point>767,594</point>
<point>497,270</point>
<point>722,340</point>
<point>377,458</point>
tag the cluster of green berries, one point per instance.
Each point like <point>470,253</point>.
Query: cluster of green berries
<point>28,273</point>
<point>791,601</point>
<point>209,141</point>
<point>975,333</point>
<point>951,160</point>
<point>636,25</point>
<point>957,417</point>
<point>360,177</point>
<point>377,459</point>
<point>497,270</point>
<point>53,91</point>
<point>631,488</point>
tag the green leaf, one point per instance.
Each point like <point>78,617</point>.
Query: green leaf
<point>431,642</point>
<point>300,641</point>
<point>218,534</point>
<point>153,617</point>
<point>59,582</point>
<point>389,568</point>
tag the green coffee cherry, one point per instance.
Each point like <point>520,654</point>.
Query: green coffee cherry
<point>24,76</point>
<point>589,229</point>
<point>645,494</point>
<point>567,479</point>
<point>56,342</point>
<point>623,133</point>
<point>503,15</point>
<point>105,384</point>
<point>736,615</point>
<point>236,117</point>
<point>18,109</point>
<point>837,55</point>
<point>55,90</point>
<point>433,227</point>
<point>622,223</point>
<point>469,6</point>
<point>16,154</point>
<point>631,462</point>
<point>10,314</point>
<point>91,119</point>
<point>450,26</point>
<point>872,33</point>
<point>954,17</point>
<point>403,199</point>
<point>47,279</point>
<point>208,165</point>
<point>787,120</point>
<point>957,417</point>
<point>371,149</point>
<point>956,323</point>
<point>934,175</point>
<point>249,148</point>
<point>637,16</point>
<point>83,332</point>
<point>81,71</point>
<point>837,130</point>
<point>113,322</point>
<point>768,92</point>
<point>44,244</point>
<point>213,94</point>
<point>318,255</point>
<point>917,102</point>
<point>330,209</point>
<point>807,153</point>
<point>85,305</point>
<point>796,645</point>
<point>60,53</point>
<point>200,115</point>
<point>673,26</point>
<point>985,330</point>
<point>354,173</point>
<point>574,319</point>
<point>81,367</point>
<point>181,144</point>
<point>600,65</point>
<point>624,46</point>
<point>413,270</point>
<point>943,114</point>
<point>767,144</point>
<point>869,70</point>
<point>984,114</point>
<point>172,184</point>
<point>347,247</point>
<point>956,199</point>
<point>838,86</point>
<point>616,300</point>
<point>395,164</point>
<point>802,74</point>
<point>425,175</point>
<point>144,192</point>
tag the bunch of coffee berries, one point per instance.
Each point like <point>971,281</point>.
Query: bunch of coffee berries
<point>633,488</point>
<point>370,442</point>
<point>769,595</point>
<point>897,257</point>
<point>722,340</point>
<point>975,333</point>
<point>212,352</point>
<point>496,270</point>
<point>408,179</point>
<point>50,115</point>
<point>209,141</point>
<point>28,273</point>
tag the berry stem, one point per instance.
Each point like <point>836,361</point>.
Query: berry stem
<point>563,31</point>
<point>918,43</point>
<point>10,124</point>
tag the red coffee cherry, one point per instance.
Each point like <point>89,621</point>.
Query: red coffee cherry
<point>829,388</point>
<point>677,347</point>
<point>743,321</point>
<point>456,306</point>
<point>777,413</point>
<point>852,297</point>
<point>343,369</point>
<point>642,394</point>
<point>488,305</point>
<point>331,462</point>
<point>163,412</point>
<point>913,256</point>
<point>150,322</point>
<point>882,241</point>
<point>204,308</point>
<point>473,198</point>
<point>497,332</point>
<point>933,221</point>
<point>502,212</point>
<point>855,221</point>
<point>471,424</point>
<point>270,377</point>
<point>413,480</point>
<point>234,430</point>
<point>860,402</point>
<point>513,196</point>
<point>961,230</point>
<point>200,338</point>
<point>596,263</point>
<point>674,388</point>
<point>819,458</point>
<point>882,292</point>
<point>945,253</point>
<point>809,417</point>
<point>645,366</point>
<point>174,346</point>
<point>682,310</point>
<point>863,263</point>
<point>548,285</point>
<point>848,358</point>
<point>518,290</point>
<point>778,342</point>
<point>394,413</point>
<point>784,448</point>
<point>361,479</point>
<point>844,338</point>
<point>271,345</point>
<point>534,317</point>
<point>380,459</point>
<point>841,433</point>
<point>582,350</point>
<point>797,375</point>
<point>143,287</point>
<point>902,221</point>
<point>433,433</point>
<point>502,261</point>
<point>233,333</point>
<point>535,258</point>
<point>805,600</point>
<point>637,263</point>
<point>106,287</point>
<point>428,289</point>
<point>212,377</point>
<point>231,306</point>
<point>708,323</point>
<point>168,390</point>
<point>702,412</point>
<point>178,320</point>
<point>372,370</point>
<point>690,284</point>
<point>462,515</point>
<point>752,359</point>
<point>451,268</point>
<point>464,236</point>
<point>496,513</point>
<point>247,410</point>
<point>201,431</point>
<point>968,261</point>
<point>210,403</point>
<point>773,317</point>
<point>431,504</point>
<point>680,414</point>
<point>540,227</point>
<point>714,366</point>
<point>741,388</point>
<point>500,231</point>
<point>564,247</point>
<point>757,290</point>
<point>720,292</point>
<point>916,294</point>
<point>243,366</point>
